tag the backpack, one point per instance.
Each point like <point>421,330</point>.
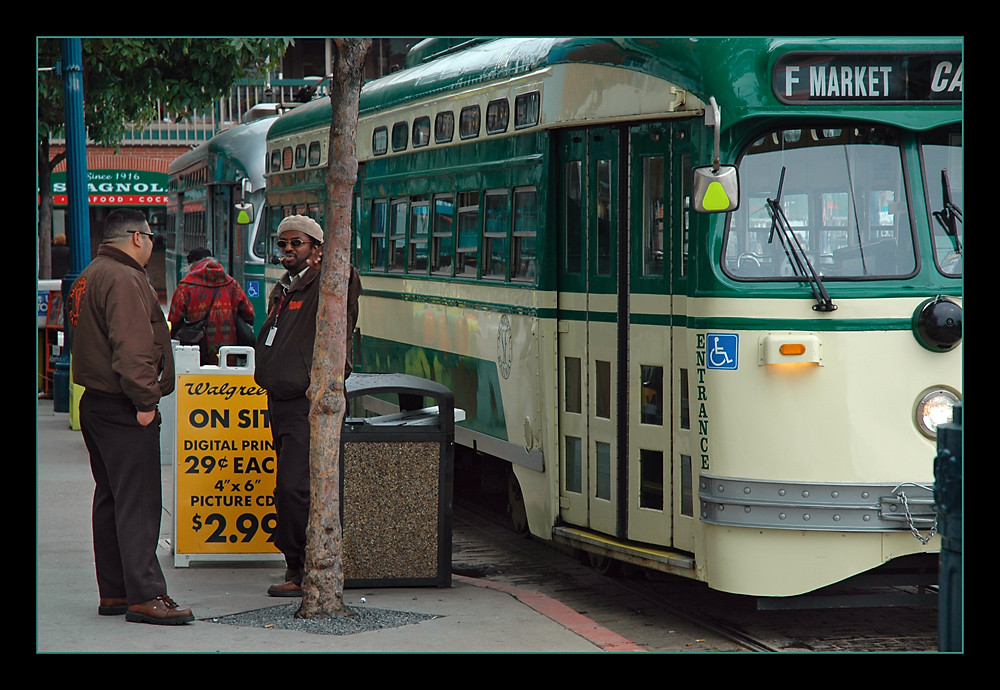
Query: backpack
<point>196,332</point>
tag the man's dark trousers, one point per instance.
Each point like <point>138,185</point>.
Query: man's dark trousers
<point>128,500</point>
<point>291,433</point>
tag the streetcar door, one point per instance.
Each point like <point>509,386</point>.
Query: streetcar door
<point>649,336</point>
<point>221,218</point>
<point>657,473</point>
<point>589,207</point>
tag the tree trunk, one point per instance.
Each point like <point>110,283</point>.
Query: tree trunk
<point>323,584</point>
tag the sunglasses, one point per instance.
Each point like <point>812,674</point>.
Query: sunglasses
<point>295,242</point>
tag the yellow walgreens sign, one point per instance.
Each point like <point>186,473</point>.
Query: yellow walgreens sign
<point>225,466</point>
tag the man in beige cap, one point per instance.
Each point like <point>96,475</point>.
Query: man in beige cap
<point>283,355</point>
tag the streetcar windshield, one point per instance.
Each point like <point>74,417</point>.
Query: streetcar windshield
<point>941,158</point>
<point>841,192</point>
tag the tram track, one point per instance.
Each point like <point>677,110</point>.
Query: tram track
<point>665,613</point>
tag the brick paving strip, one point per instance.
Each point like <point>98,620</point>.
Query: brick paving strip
<point>560,613</point>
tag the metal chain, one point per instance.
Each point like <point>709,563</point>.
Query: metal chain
<point>909,517</point>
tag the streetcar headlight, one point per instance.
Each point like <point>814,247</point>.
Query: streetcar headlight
<point>934,408</point>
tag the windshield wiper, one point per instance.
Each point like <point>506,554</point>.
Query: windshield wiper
<point>797,256</point>
<point>951,215</point>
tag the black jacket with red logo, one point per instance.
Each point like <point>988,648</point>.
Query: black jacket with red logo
<point>284,350</point>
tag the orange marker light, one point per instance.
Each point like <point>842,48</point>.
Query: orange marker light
<point>792,349</point>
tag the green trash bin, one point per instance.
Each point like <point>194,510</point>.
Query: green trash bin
<point>397,483</point>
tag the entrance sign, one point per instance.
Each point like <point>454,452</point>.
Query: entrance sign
<point>224,468</point>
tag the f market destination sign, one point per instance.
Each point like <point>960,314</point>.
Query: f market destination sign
<point>879,78</point>
<point>116,188</point>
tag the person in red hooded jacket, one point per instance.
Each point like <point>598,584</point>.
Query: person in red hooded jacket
<point>207,285</point>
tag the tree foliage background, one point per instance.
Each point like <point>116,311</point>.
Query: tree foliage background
<point>135,81</point>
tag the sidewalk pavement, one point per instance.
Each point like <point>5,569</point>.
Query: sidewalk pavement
<point>470,616</point>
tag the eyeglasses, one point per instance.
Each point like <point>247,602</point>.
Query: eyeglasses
<point>147,234</point>
<point>295,242</point>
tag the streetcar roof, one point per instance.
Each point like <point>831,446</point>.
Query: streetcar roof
<point>736,71</point>
<point>239,151</point>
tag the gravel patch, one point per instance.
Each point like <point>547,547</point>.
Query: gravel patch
<point>283,618</point>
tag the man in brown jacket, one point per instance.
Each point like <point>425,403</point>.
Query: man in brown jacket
<point>121,354</point>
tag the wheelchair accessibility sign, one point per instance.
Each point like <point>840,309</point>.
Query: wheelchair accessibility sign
<point>722,351</point>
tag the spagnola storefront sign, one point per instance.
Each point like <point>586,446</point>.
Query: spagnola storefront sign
<point>116,188</point>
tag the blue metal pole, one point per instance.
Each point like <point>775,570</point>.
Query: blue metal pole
<point>78,209</point>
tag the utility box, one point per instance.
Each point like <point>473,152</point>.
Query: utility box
<point>397,482</point>
<point>948,490</point>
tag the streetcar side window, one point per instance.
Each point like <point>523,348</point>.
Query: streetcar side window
<point>397,235</point>
<point>443,243</point>
<point>526,109</point>
<point>574,464</point>
<point>444,127</point>
<point>380,141</point>
<point>525,230</point>
<point>194,233</point>
<point>419,234</point>
<point>651,479</point>
<point>604,217</point>
<point>497,116</point>
<point>400,136</point>
<point>652,394</point>
<point>572,384</point>
<point>468,122</point>
<point>421,131</point>
<point>496,250</point>
<point>574,218</point>
<point>602,402</point>
<point>468,235</point>
<point>380,223</point>
<point>652,216</point>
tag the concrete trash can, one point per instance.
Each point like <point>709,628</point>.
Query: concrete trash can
<point>397,481</point>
